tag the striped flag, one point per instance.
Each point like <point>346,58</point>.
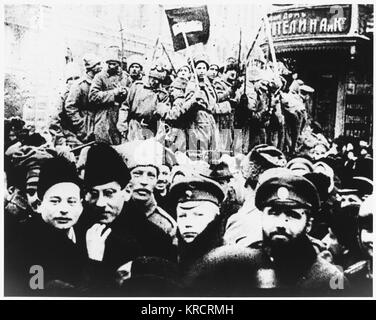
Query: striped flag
<point>193,21</point>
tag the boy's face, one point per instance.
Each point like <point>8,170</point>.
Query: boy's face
<point>193,217</point>
<point>61,206</point>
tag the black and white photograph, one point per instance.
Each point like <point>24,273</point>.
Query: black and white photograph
<point>187,150</point>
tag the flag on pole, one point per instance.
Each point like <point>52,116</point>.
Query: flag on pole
<point>193,21</point>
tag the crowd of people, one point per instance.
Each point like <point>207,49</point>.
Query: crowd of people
<point>211,181</point>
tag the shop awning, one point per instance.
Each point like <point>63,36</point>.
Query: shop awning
<point>314,44</point>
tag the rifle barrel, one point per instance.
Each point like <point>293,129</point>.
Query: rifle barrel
<point>82,146</point>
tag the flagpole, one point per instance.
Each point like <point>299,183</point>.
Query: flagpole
<point>155,49</point>
<point>240,48</point>
<point>190,57</point>
<point>254,42</point>
<point>271,45</point>
<point>122,42</point>
<point>168,57</point>
<point>249,54</point>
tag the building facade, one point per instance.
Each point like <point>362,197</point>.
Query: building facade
<point>332,50</point>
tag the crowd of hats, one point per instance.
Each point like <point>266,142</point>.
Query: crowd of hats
<point>299,182</point>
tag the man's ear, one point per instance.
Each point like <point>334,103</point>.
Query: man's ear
<point>127,193</point>
<point>11,189</point>
<point>309,224</point>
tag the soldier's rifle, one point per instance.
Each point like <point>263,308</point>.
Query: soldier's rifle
<point>248,55</point>
<point>122,43</point>
<point>155,49</point>
<point>240,49</point>
<point>169,59</point>
<point>82,146</point>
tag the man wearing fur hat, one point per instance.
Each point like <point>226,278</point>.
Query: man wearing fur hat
<point>115,233</point>
<point>244,227</point>
<point>79,110</point>
<point>137,115</point>
<point>135,68</point>
<point>107,92</point>
<point>49,239</point>
<point>144,160</point>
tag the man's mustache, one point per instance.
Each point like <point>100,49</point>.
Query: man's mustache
<point>280,233</point>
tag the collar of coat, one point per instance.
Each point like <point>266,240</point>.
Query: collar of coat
<point>209,239</point>
<point>46,232</point>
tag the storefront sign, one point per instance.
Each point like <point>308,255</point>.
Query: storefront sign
<point>311,21</point>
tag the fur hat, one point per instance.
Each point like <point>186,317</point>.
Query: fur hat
<point>136,59</point>
<point>113,54</point>
<point>105,165</point>
<point>56,170</point>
